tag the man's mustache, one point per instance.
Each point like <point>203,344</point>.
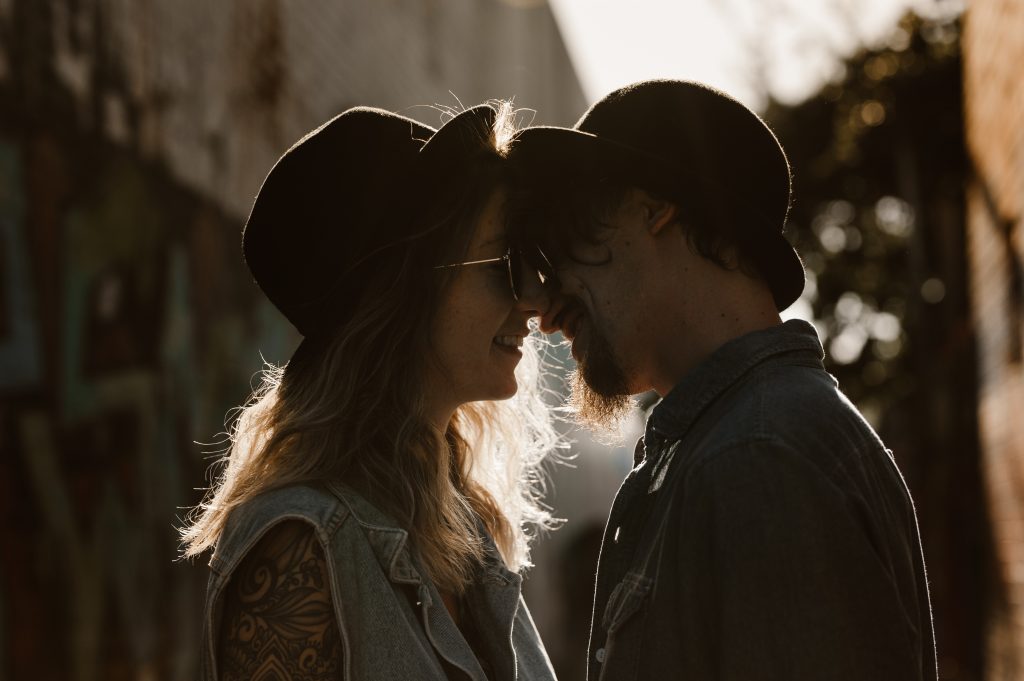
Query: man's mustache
<point>569,316</point>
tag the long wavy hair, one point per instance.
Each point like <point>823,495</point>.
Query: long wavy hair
<point>356,412</point>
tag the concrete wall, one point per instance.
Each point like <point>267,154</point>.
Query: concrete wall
<point>994,97</point>
<point>218,90</point>
<point>133,136</point>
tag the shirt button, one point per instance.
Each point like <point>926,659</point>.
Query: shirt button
<point>599,655</point>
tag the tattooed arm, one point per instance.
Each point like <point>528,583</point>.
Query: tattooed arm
<point>278,621</point>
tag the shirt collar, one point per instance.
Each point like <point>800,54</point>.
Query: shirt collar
<point>681,407</point>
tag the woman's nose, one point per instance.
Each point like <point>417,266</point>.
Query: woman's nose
<point>536,292</point>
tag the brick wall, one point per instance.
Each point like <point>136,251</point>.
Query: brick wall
<point>994,101</point>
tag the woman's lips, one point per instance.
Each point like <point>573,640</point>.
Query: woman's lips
<point>509,344</point>
<point>510,351</point>
<point>509,340</point>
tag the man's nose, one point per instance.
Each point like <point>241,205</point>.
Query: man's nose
<point>559,299</point>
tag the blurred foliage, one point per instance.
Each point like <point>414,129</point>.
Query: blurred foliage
<point>879,174</point>
<point>878,163</point>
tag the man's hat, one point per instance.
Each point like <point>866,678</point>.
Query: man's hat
<point>690,143</point>
<point>341,198</point>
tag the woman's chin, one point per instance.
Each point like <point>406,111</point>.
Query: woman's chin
<point>509,394</point>
<point>506,392</point>
<point>500,391</point>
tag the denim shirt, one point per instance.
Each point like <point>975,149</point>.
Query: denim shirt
<point>391,618</point>
<point>765,533</point>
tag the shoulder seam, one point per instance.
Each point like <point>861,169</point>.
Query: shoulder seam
<point>325,530</point>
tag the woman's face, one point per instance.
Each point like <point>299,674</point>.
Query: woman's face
<point>480,327</point>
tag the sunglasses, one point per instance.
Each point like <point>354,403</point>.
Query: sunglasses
<point>518,263</point>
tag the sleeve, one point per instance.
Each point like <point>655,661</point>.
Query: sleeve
<point>278,621</point>
<point>782,578</point>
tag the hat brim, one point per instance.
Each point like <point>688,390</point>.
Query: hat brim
<point>463,135</point>
<point>567,157</point>
<point>783,270</point>
<point>454,145</point>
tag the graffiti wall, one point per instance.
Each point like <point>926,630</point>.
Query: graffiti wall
<point>128,327</point>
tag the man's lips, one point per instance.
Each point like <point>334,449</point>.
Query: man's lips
<point>568,320</point>
<point>572,323</point>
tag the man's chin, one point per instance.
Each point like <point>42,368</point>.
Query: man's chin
<point>599,397</point>
<point>601,412</point>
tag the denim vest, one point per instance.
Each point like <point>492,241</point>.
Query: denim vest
<point>392,620</point>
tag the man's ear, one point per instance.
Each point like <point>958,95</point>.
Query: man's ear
<point>658,214</point>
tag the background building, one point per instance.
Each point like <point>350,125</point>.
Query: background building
<point>879,170</point>
<point>994,108</point>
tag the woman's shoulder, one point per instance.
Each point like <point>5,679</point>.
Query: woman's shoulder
<point>311,507</point>
<point>331,509</point>
<point>313,502</point>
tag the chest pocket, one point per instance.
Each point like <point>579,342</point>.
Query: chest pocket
<point>623,619</point>
<point>625,600</point>
<point>623,622</point>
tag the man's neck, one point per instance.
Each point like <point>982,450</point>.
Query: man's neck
<point>738,309</point>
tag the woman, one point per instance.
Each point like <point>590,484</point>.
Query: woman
<point>372,516</point>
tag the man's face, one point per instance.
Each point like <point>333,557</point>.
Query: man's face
<point>601,309</point>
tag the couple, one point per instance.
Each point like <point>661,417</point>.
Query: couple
<point>373,516</point>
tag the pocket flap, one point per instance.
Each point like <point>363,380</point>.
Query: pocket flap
<point>626,598</point>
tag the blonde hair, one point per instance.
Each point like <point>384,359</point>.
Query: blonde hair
<point>354,412</point>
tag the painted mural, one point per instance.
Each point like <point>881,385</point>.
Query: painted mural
<point>128,326</point>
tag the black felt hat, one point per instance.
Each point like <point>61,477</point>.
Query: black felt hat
<point>688,142</point>
<point>342,198</point>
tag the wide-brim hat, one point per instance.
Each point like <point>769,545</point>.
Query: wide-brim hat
<point>687,142</point>
<point>343,198</point>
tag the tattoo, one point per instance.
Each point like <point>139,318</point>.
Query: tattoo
<point>278,621</point>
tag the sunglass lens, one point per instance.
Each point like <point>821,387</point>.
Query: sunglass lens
<point>544,267</point>
<point>515,271</point>
<point>533,263</point>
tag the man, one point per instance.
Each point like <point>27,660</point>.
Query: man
<point>765,532</point>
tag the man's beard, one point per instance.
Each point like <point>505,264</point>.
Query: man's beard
<point>599,389</point>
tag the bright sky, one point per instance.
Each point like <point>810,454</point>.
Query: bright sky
<point>745,47</point>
